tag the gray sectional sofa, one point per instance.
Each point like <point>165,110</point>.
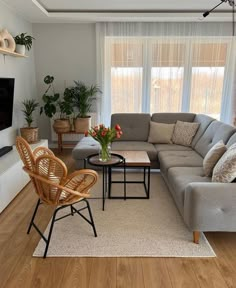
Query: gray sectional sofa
<point>204,205</point>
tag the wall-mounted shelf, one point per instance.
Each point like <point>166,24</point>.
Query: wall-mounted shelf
<point>14,54</point>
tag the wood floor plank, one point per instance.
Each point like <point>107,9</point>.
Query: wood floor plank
<point>227,271</point>
<point>103,273</point>
<point>18,253</point>
<point>225,260</point>
<point>129,273</point>
<point>48,272</point>
<point>12,251</point>
<point>155,273</point>
<point>207,273</point>
<point>22,275</point>
<point>77,273</point>
<point>181,273</point>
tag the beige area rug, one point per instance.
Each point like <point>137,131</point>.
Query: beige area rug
<point>147,228</point>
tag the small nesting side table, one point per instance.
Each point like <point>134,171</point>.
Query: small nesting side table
<point>115,160</point>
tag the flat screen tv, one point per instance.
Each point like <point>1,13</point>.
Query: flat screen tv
<point>6,102</point>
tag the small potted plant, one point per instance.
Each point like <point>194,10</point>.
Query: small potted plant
<point>83,98</point>
<point>52,103</point>
<point>29,133</point>
<point>23,41</point>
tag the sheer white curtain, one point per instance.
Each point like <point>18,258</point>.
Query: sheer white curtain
<point>166,67</point>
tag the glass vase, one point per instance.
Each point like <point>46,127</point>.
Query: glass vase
<point>105,152</point>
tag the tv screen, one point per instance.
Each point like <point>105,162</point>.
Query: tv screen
<point>6,102</point>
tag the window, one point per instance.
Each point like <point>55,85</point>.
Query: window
<point>165,74</point>
<point>167,70</point>
<point>126,76</point>
<point>207,78</point>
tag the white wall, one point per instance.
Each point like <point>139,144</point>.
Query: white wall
<point>66,51</point>
<point>22,69</point>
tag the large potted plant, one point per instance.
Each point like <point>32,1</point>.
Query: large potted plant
<point>52,103</point>
<point>83,98</point>
<point>29,133</point>
<point>23,41</point>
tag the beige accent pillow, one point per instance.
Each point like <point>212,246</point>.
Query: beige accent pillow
<point>160,133</point>
<point>213,156</point>
<point>184,132</point>
<point>225,169</point>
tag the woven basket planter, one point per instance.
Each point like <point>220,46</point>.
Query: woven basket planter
<point>30,134</point>
<point>82,124</point>
<point>61,125</point>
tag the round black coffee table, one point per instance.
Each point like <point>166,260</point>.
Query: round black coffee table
<point>115,160</point>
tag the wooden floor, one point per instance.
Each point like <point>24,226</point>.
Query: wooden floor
<point>19,269</point>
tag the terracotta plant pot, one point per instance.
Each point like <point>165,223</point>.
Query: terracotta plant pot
<point>30,134</point>
<point>61,125</point>
<point>82,124</point>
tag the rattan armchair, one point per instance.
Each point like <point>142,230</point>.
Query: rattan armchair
<point>54,186</point>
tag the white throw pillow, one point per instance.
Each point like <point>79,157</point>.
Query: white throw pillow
<point>160,133</point>
<point>184,133</point>
<point>225,169</point>
<point>213,156</point>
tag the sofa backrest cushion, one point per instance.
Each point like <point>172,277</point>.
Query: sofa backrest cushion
<point>212,157</point>
<point>170,118</point>
<point>204,121</point>
<point>215,132</point>
<point>160,133</point>
<point>231,140</point>
<point>225,169</point>
<point>135,126</point>
<point>184,132</point>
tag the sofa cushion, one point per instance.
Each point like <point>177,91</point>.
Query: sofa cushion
<point>171,147</point>
<point>170,159</point>
<point>204,121</point>
<point>160,133</point>
<point>184,132</point>
<point>212,157</point>
<point>136,146</point>
<point>172,117</point>
<point>215,132</point>
<point>180,177</point>
<point>231,140</point>
<point>135,126</point>
<point>225,169</point>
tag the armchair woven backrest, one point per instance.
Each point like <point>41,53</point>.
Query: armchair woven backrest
<point>54,171</point>
<point>28,156</point>
<point>25,153</point>
<point>54,187</point>
<point>49,176</point>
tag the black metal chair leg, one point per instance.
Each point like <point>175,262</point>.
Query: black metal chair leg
<point>71,209</point>
<point>34,214</point>
<point>50,232</point>
<point>91,217</point>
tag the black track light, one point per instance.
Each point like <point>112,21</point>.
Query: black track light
<point>231,3</point>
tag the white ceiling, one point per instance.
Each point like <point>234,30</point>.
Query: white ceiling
<point>54,11</point>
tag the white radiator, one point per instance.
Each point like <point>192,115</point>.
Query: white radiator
<point>72,137</point>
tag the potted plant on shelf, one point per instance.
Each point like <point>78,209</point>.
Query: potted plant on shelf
<point>83,98</point>
<point>23,41</point>
<point>52,103</point>
<point>30,134</point>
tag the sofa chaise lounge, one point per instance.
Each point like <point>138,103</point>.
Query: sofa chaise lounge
<point>203,204</point>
